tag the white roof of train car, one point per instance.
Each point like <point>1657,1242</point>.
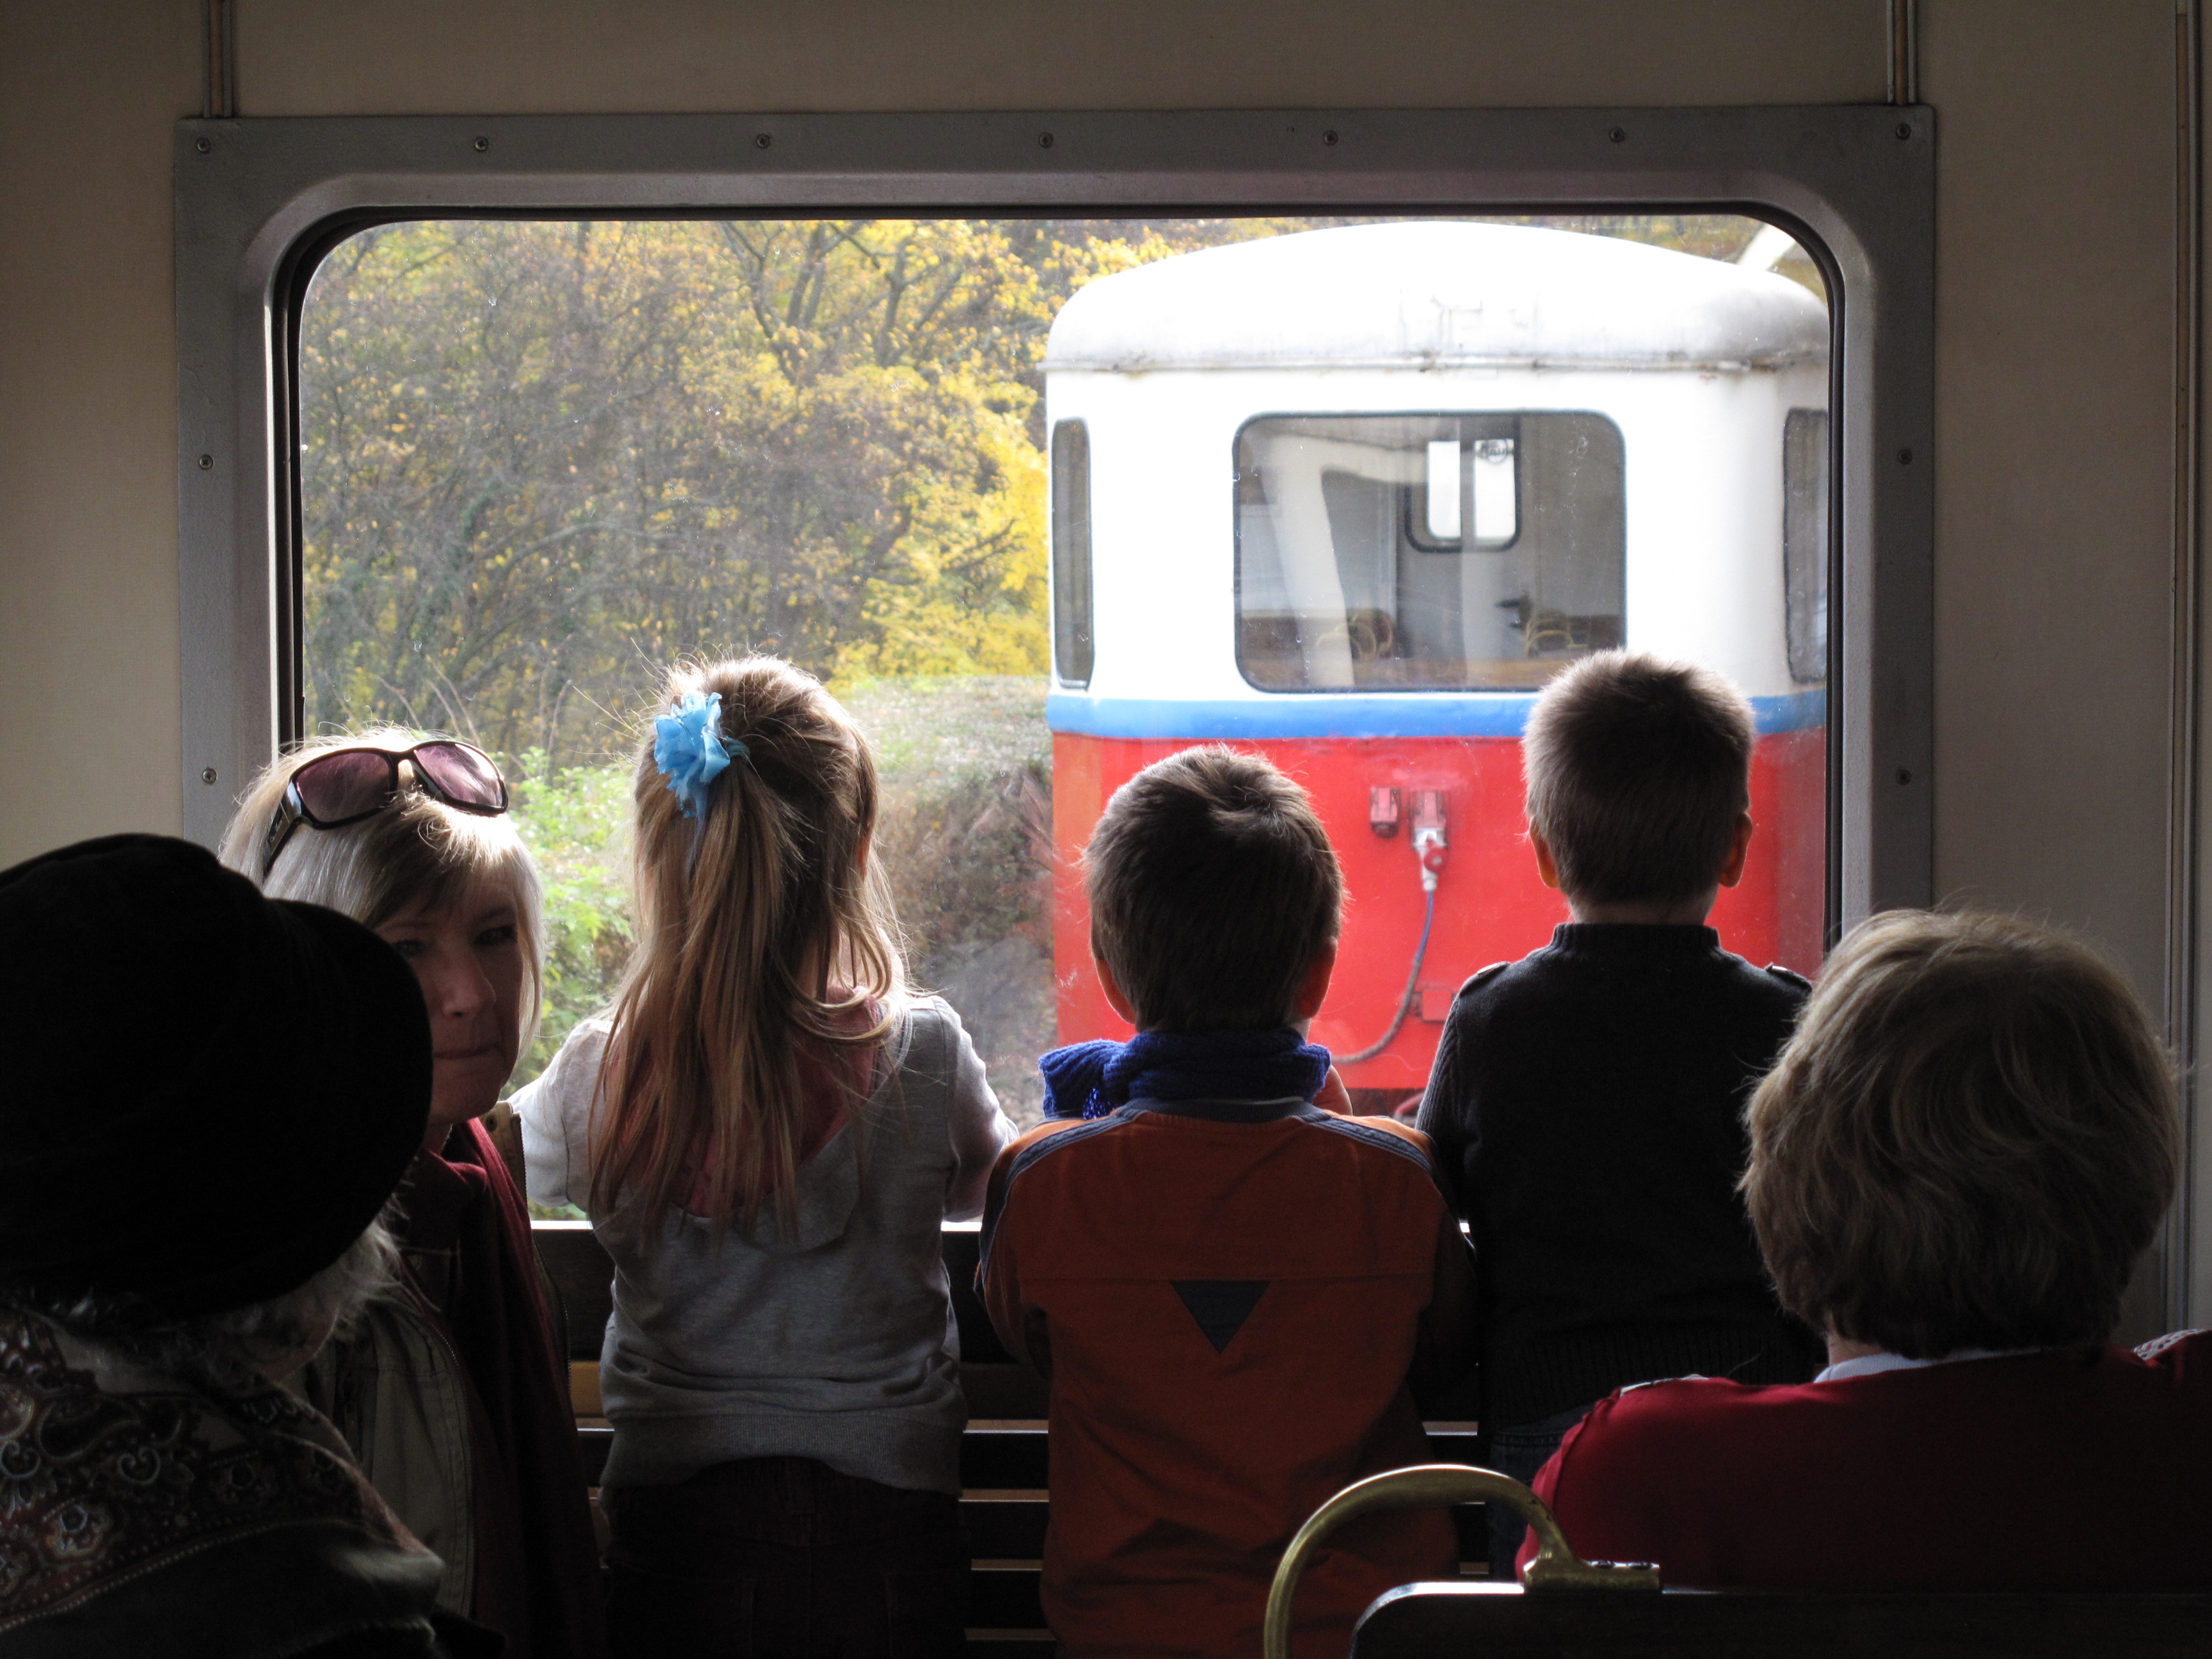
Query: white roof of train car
<point>1438,294</point>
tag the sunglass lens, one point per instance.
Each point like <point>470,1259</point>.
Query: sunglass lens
<point>344,785</point>
<point>467,775</point>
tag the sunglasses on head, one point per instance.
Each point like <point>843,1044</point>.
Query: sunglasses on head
<point>345,785</point>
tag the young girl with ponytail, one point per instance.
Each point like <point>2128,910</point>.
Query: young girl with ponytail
<point>766,1132</point>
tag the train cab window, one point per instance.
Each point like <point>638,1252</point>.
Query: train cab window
<point>1426,552</point>
<point>1071,552</point>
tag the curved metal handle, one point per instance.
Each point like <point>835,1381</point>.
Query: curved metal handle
<point>1425,1486</point>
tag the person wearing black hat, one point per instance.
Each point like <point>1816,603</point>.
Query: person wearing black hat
<point>208,1099</point>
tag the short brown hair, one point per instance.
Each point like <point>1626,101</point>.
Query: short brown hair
<point>1638,770</point>
<point>1212,889</point>
<point>1967,1143</point>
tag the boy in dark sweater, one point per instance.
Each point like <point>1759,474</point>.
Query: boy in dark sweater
<point>1586,1104</point>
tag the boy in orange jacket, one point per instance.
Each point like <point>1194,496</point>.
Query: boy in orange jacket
<point>1232,1291</point>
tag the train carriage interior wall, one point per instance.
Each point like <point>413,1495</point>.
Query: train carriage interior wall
<point>1065,384</point>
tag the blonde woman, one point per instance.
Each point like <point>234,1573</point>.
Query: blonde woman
<point>765,1132</point>
<point>452,1390</point>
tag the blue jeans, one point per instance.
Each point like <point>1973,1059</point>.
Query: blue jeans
<point>1520,1452</point>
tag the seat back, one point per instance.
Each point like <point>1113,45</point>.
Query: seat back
<point>1501,1621</point>
<point>1567,1608</point>
<point>1556,1570</point>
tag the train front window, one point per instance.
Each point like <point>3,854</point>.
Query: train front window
<point>1426,552</point>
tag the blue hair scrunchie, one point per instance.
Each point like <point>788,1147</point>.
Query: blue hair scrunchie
<point>689,749</point>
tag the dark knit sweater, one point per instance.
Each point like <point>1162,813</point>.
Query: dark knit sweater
<point>1586,1109</point>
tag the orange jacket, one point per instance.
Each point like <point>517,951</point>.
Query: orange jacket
<point>1229,1302</point>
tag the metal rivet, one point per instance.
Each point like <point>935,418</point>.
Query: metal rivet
<point>208,776</point>
<point>1618,135</point>
<point>202,145</point>
<point>1904,777</point>
<point>1905,128</point>
<point>1905,457</point>
<point>206,463</point>
<point>1329,137</point>
<point>483,144</point>
<point>761,141</point>
<point>1044,140</point>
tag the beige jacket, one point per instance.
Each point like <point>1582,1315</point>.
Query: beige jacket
<point>395,1389</point>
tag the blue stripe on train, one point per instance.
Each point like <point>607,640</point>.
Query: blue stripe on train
<point>1409,714</point>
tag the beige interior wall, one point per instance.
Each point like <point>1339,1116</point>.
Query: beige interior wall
<point>2053,449</point>
<point>89,659</point>
<point>2054,455</point>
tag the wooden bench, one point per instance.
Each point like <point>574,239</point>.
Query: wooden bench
<point>1571,1609</point>
<point>1004,1456</point>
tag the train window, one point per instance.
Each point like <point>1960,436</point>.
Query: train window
<point>1487,475</point>
<point>1071,552</point>
<point>1352,573</point>
<point>971,473</point>
<point>1805,540</point>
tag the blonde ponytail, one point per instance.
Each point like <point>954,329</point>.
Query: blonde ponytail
<point>762,924</point>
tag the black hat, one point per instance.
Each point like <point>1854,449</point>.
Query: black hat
<point>205,1095</point>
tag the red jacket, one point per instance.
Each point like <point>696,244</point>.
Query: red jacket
<point>1228,1301</point>
<point>2075,1468</point>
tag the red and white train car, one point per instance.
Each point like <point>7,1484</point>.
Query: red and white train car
<point>1350,497</point>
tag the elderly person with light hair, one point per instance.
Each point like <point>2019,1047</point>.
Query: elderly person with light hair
<point>451,1388</point>
<point>1959,1160</point>
<point>208,1100</point>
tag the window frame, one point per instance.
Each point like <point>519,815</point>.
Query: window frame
<point>259,202</point>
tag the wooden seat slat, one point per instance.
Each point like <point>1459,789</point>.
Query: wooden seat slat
<point>1006,1596</point>
<point>1004,1528</point>
<point>1006,1458</point>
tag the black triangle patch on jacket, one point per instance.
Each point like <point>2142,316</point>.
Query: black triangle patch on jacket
<point>1220,1305</point>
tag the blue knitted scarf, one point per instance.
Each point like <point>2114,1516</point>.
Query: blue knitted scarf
<point>1090,1079</point>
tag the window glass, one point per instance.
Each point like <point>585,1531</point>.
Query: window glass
<point>1805,540</point>
<point>1353,571</point>
<point>1041,499</point>
<point>1071,551</point>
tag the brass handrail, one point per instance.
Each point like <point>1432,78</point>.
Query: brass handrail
<point>1555,1567</point>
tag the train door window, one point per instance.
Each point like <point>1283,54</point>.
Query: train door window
<point>1805,542</point>
<point>1426,552</point>
<point>1071,551</point>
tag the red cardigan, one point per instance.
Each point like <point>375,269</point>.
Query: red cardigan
<point>2080,1468</point>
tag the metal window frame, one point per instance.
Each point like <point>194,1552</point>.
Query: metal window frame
<point>257,201</point>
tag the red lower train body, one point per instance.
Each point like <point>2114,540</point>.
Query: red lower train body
<point>1491,906</point>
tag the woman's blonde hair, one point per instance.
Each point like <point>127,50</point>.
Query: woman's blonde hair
<point>418,851</point>
<point>1968,1142</point>
<point>761,923</point>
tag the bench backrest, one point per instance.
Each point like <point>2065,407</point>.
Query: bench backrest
<point>1501,1621</point>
